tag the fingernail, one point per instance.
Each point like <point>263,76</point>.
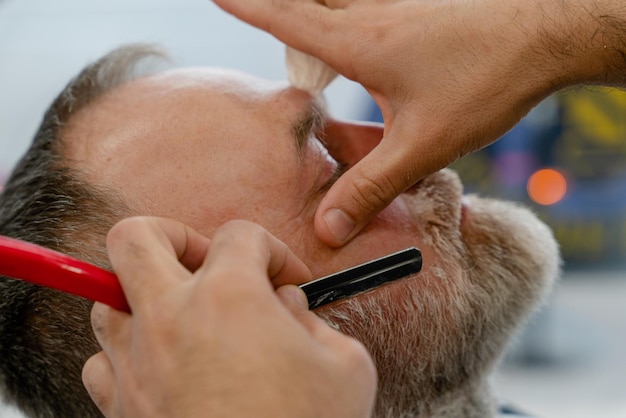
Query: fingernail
<point>299,297</point>
<point>339,224</point>
<point>293,296</point>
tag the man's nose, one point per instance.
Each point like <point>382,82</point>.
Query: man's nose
<point>348,142</point>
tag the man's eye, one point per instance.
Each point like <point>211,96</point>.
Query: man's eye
<point>339,171</point>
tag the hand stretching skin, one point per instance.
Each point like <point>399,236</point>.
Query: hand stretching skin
<point>449,76</point>
<point>209,336</point>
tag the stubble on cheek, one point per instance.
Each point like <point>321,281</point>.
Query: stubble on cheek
<point>414,329</point>
<point>434,332</point>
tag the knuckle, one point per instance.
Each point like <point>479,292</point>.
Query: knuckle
<point>238,227</point>
<point>90,370</point>
<point>373,193</point>
<point>243,236</point>
<point>99,319</point>
<point>360,361</point>
<point>357,353</point>
<point>124,230</point>
<point>129,224</point>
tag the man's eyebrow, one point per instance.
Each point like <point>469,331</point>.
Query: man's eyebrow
<point>307,122</point>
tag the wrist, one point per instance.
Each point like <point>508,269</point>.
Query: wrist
<point>582,41</point>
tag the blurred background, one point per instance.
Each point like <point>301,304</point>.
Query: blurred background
<point>567,160</point>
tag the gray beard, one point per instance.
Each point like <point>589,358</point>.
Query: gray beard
<point>423,346</point>
<point>435,337</point>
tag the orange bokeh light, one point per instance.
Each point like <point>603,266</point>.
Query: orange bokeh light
<point>547,186</point>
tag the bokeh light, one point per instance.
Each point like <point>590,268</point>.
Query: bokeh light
<point>547,186</point>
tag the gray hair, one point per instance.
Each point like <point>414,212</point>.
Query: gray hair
<point>45,336</point>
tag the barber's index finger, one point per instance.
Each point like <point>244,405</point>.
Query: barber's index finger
<point>242,250</point>
<point>307,25</point>
<point>149,255</point>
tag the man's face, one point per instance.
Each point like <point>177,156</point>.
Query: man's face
<point>207,146</point>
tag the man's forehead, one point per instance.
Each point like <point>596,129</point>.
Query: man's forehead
<point>173,102</point>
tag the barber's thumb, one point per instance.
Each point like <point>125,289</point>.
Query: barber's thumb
<point>293,298</point>
<point>351,203</point>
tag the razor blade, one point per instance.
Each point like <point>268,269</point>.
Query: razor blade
<point>363,277</point>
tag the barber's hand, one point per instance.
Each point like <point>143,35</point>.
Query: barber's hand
<point>449,76</point>
<point>209,335</point>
